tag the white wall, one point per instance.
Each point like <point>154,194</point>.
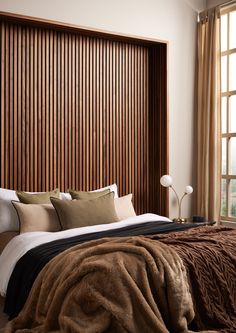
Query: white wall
<point>172,20</point>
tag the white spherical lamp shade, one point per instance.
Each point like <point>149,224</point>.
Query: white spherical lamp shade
<point>188,189</point>
<point>166,180</point>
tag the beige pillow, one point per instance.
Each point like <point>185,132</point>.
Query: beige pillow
<point>35,217</point>
<point>124,207</point>
<point>81,213</point>
<point>82,195</point>
<point>37,198</point>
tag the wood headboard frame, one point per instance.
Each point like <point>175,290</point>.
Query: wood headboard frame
<point>82,109</point>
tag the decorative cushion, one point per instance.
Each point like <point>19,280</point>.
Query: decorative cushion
<point>112,188</point>
<point>81,213</point>
<point>36,217</point>
<point>37,198</point>
<point>81,195</point>
<point>8,216</point>
<point>124,207</point>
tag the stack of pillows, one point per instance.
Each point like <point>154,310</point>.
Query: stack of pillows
<point>55,211</point>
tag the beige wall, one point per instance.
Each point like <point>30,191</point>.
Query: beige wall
<point>172,20</point>
<point>197,5</point>
<point>213,3</point>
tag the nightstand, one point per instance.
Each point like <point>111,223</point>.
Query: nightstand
<point>209,223</point>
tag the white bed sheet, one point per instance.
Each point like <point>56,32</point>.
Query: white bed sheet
<point>20,244</point>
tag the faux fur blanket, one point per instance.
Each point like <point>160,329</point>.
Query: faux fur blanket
<point>132,284</point>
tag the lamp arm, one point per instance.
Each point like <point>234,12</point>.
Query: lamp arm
<point>181,203</point>
<point>177,197</point>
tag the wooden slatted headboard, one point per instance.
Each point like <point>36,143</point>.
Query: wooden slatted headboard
<point>82,109</point>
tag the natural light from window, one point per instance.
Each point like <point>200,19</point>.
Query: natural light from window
<point>228,114</point>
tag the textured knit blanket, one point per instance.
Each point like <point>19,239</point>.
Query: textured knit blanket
<point>209,256</point>
<point>131,284</point>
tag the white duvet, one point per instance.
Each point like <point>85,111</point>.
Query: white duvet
<point>20,244</point>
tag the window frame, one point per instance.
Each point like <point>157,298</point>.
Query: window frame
<point>228,135</point>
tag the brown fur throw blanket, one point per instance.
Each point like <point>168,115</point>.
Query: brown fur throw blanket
<point>133,284</point>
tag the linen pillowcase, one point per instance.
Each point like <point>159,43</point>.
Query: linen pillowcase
<point>8,215</point>
<point>112,188</point>
<point>81,195</point>
<point>37,198</point>
<point>82,213</point>
<point>124,207</point>
<point>36,217</point>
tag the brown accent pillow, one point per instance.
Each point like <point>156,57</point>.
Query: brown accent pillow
<point>124,207</point>
<point>82,195</point>
<point>37,198</point>
<point>82,213</point>
<point>35,217</point>
<point>5,238</point>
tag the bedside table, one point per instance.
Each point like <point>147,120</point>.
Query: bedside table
<point>209,223</point>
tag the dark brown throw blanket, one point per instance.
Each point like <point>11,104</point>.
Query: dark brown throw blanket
<point>209,256</point>
<point>138,285</point>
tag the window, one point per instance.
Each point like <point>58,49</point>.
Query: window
<point>228,114</point>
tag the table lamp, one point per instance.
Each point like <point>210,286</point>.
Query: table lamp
<point>167,181</point>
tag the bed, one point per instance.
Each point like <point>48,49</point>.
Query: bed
<point>141,274</point>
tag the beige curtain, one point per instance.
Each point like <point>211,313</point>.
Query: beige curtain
<point>208,168</point>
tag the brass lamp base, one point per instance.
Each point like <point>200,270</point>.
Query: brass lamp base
<point>180,220</point>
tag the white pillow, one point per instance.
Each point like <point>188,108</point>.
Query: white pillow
<point>8,216</point>
<point>113,188</point>
<point>65,196</point>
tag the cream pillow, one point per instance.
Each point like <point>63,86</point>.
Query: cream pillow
<point>82,213</point>
<point>124,207</point>
<point>36,217</point>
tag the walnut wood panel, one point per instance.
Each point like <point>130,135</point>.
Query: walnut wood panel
<point>82,112</point>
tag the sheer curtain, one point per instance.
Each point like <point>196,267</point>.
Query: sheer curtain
<point>208,124</point>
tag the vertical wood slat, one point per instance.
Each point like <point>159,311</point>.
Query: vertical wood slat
<point>2,114</point>
<point>34,135</point>
<point>15,126</point>
<point>11,158</point>
<point>31,113</point>
<point>82,112</point>
<point>6,92</point>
